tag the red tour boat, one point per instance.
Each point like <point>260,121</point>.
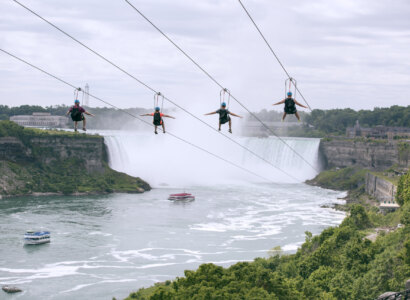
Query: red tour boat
<point>182,196</point>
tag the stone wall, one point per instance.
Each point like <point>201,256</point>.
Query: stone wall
<point>341,152</point>
<point>384,191</point>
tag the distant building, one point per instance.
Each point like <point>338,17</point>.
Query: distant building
<point>41,119</point>
<point>378,132</point>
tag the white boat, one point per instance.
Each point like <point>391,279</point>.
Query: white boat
<point>32,237</point>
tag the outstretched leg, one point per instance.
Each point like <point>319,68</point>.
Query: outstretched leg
<point>219,126</point>
<point>230,126</point>
<point>297,116</point>
<point>84,123</point>
<point>163,127</point>
<point>156,129</point>
<point>284,116</point>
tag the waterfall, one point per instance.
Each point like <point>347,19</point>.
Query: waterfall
<point>164,161</point>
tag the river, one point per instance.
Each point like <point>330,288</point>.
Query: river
<point>111,245</point>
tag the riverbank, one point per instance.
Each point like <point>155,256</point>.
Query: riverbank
<point>38,162</point>
<point>367,255</point>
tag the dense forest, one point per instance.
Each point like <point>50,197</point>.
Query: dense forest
<point>335,121</point>
<point>340,263</point>
<point>317,123</point>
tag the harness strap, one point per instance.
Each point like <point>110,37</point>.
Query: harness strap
<point>76,91</point>
<point>222,95</point>
<point>156,100</point>
<point>289,89</point>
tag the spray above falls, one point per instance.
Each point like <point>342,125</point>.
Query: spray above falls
<point>164,161</point>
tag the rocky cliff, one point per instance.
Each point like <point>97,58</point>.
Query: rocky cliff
<point>36,161</point>
<point>373,154</point>
<point>381,189</point>
<point>47,149</point>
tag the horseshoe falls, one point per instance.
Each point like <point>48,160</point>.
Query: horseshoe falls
<point>165,161</point>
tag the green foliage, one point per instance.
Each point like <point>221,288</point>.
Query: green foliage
<point>11,129</point>
<point>403,189</point>
<point>336,121</point>
<point>8,128</point>
<point>359,218</point>
<point>340,179</point>
<point>405,217</point>
<point>67,177</point>
<point>338,264</point>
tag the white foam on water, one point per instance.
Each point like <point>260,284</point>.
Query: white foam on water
<point>81,286</point>
<point>291,247</point>
<point>99,233</point>
<point>156,265</point>
<point>230,262</point>
<point>50,271</point>
<point>171,254</point>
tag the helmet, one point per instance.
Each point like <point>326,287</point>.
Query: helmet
<point>289,94</point>
<point>77,101</point>
<point>223,104</point>
<point>157,108</point>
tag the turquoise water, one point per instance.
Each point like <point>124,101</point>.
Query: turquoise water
<point>111,245</point>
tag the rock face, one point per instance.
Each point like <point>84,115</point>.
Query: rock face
<point>38,163</point>
<point>379,188</point>
<point>11,289</point>
<point>342,152</point>
<point>388,296</point>
<point>13,149</point>
<point>47,149</point>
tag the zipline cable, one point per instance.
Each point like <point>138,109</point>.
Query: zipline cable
<point>136,117</point>
<point>153,90</point>
<point>217,83</point>
<point>273,52</point>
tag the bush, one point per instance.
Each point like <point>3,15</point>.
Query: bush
<point>403,189</point>
<point>340,179</point>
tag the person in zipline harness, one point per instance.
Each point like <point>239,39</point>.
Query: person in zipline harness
<point>224,116</point>
<point>77,114</point>
<point>157,120</point>
<point>290,106</point>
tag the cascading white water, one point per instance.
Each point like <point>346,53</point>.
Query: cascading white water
<point>163,160</point>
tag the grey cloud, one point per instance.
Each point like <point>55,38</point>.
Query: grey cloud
<point>343,53</point>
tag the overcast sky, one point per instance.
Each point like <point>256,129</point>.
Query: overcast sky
<point>344,53</point>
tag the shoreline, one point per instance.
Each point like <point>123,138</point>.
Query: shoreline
<point>49,194</point>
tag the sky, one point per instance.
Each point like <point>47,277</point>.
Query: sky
<point>343,53</point>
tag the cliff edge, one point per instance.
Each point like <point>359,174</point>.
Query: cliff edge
<point>36,161</point>
<point>365,153</point>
